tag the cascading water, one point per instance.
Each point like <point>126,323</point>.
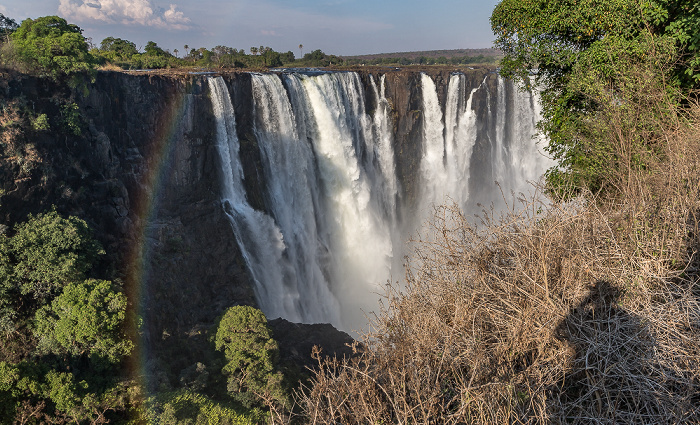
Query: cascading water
<point>259,238</point>
<point>353,215</point>
<point>330,237</point>
<point>433,170</point>
<point>447,148</point>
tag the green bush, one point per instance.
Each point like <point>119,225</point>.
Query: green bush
<point>41,123</point>
<point>186,407</point>
<point>46,253</point>
<point>85,319</point>
<point>252,355</point>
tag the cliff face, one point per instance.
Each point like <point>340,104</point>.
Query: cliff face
<point>145,174</point>
<point>403,90</point>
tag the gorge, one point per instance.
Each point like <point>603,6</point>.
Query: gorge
<point>292,191</point>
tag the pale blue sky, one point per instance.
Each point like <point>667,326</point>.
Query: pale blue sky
<point>343,27</point>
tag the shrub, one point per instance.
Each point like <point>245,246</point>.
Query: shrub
<point>52,46</point>
<point>47,252</point>
<point>187,407</point>
<point>41,123</point>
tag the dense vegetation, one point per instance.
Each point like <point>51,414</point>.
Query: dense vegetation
<point>585,55</point>
<point>63,344</point>
<point>61,330</point>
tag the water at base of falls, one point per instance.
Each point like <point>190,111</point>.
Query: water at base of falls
<point>331,236</point>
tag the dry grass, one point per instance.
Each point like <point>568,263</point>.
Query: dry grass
<point>586,311</point>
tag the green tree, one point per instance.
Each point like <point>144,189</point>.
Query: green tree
<point>117,49</point>
<point>152,49</point>
<point>287,57</point>
<point>52,46</point>
<point>252,354</point>
<point>47,252</point>
<point>87,318</point>
<point>271,58</point>
<point>7,27</point>
<point>579,53</point>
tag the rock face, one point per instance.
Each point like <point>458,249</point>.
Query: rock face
<point>144,173</point>
<point>297,341</point>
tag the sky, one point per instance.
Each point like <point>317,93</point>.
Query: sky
<point>340,27</point>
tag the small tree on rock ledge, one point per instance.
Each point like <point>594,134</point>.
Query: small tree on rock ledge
<point>252,354</point>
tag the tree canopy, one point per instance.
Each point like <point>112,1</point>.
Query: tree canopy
<point>575,51</point>
<point>252,354</point>
<point>52,46</point>
<point>7,27</point>
<point>85,319</point>
<point>118,49</point>
<point>47,252</point>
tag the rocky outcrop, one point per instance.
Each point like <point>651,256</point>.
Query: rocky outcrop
<point>297,342</point>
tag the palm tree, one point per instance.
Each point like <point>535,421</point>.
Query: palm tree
<point>253,50</point>
<point>301,52</point>
<point>176,52</point>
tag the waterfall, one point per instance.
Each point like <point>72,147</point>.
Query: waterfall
<point>447,148</point>
<point>354,214</point>
<point>330,233</point>
<point>293,192</point>
<point>260,240</point>
<point>433,170</point>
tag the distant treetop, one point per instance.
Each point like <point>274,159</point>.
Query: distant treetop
<point>52,46</point>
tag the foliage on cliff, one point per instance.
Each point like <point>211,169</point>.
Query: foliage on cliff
<point>62,334</point>
<point>580,52</point>
<point>252,356</point>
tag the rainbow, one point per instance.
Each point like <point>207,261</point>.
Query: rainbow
<point>157,159</point>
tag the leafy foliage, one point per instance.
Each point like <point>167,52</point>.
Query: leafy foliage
<point>85,319</point>
<point>71,327</point>
<point>187,407</point>
<point>52,46</point>
<point>581,53</point>
<point>119,48</point>
<point>46,253</point>
<point>71,121</point>
<point>252,354</point>
<point>33,392</point>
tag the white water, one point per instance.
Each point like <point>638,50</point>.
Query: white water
<point>447,154</point>
<point>359,232</point>
<point>329,237</point>
<point>260,240</point>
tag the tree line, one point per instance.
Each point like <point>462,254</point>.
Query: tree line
<point>424,60</point>
<point>51,46</point>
